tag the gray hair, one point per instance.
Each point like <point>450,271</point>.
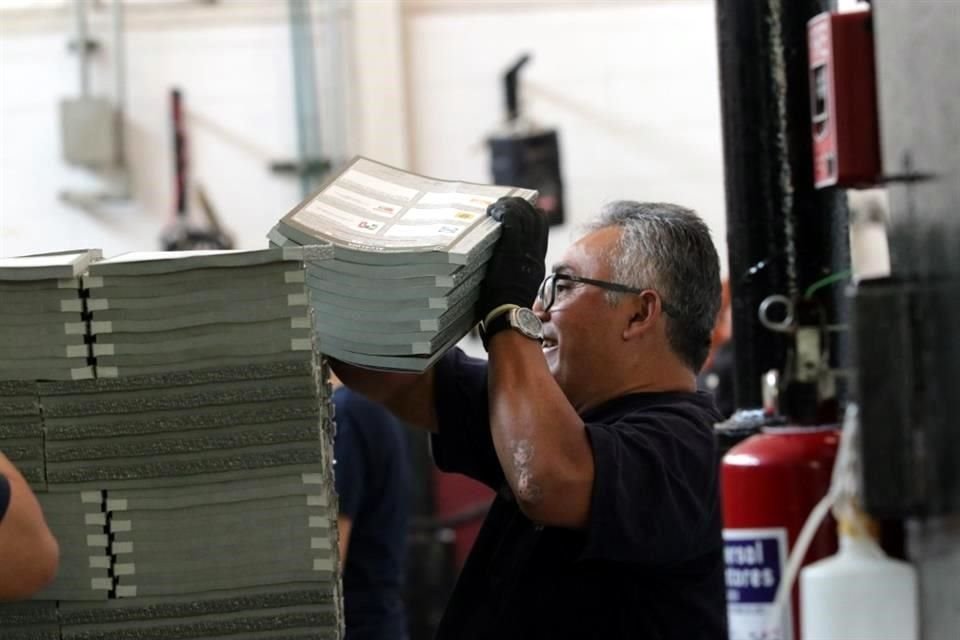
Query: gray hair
<point>668,248</point>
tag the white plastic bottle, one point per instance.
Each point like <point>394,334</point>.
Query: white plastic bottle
<point>859,593</point>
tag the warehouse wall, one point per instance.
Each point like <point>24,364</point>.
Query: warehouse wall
<point>36,71</point>
<point>631,85</point>
<point>233,62</point>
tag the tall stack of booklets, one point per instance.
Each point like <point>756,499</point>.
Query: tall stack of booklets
<point>409,256</point>
<point>170,413</point>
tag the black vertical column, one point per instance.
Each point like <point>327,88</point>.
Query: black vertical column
<point>780,231</point>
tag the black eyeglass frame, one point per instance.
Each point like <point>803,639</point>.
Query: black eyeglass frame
<point>603,284</point>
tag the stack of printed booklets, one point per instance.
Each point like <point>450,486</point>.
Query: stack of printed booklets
<point>189,479</point>
<point>410,253</point>
<point>164,311</point>
<point>42,330</point>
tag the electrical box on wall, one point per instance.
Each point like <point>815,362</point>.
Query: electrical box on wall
<point>526,155</point>
<point>89,132</point>
<point>843,93</point>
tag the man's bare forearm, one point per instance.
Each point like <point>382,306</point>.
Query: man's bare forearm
<point>408,396</point>
<point>540,440</point>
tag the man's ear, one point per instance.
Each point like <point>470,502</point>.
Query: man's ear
<point>644,310</point>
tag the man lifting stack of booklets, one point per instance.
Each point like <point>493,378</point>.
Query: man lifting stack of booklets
<point>409,255</point>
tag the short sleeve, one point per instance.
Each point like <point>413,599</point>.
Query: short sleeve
<point>349,469</point>
<point>4,495</point>
<point>655,494</point>
<point>463,443</point>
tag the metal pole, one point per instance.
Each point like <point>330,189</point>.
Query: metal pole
<point>120,79</point>
<point>780,229</point>
<point>80,15</point>
<point>304,84</point>
<point>335,54</point>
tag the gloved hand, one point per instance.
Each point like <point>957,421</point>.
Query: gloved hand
<point>516,268</point>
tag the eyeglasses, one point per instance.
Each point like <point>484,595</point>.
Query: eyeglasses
<point>547,294</point>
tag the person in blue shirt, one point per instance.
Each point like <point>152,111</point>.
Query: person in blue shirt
<point>29,554</point>
<point>373,480</point>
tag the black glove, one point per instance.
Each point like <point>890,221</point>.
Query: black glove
<point>516,268</point>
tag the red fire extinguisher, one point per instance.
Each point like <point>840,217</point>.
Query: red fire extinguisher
<point>771,482</point>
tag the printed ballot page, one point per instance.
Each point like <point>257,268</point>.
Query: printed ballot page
<point>375,207</point>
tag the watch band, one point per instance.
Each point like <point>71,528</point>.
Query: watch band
<point>497,311</point>
<point>494,327</point>
<point>494,322</point>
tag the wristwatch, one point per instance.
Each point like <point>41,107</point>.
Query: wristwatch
<point>513,317</point>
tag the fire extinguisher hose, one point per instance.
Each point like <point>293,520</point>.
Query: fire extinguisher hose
<point>843,488</point>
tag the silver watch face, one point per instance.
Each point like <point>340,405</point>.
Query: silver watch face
<point>527,323</point>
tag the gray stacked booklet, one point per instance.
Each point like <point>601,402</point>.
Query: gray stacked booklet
<point>189,483</point>
<point>181,310</point>
<point>410,254</point>
<point>21,430</point>
<point>42,326</point>
<point>192,504</point>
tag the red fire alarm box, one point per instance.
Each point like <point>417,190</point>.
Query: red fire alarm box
<point>843,97</point>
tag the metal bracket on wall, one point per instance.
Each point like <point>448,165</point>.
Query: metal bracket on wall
<point>92,128</point>
<point>88,45</point>
<point>308,167</point>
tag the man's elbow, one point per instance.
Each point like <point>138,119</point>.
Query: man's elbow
<point>529,494</point>
<point>554,502</point>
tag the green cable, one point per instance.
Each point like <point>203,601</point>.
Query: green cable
<point>826,281</point>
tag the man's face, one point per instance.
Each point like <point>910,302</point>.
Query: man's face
<point>582,332</point>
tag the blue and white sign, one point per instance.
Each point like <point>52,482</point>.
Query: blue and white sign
<point>755,559</point>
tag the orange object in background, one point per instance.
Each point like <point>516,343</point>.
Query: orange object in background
<point>716,375</point>
<point>723,329</point>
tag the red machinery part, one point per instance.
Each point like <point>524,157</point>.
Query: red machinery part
<point>453,495</point>
<point>843,96</point>
<point>771,482</point>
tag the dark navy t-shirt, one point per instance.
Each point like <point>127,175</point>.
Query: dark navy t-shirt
<point>648,565</point>
<point>373,480</point>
